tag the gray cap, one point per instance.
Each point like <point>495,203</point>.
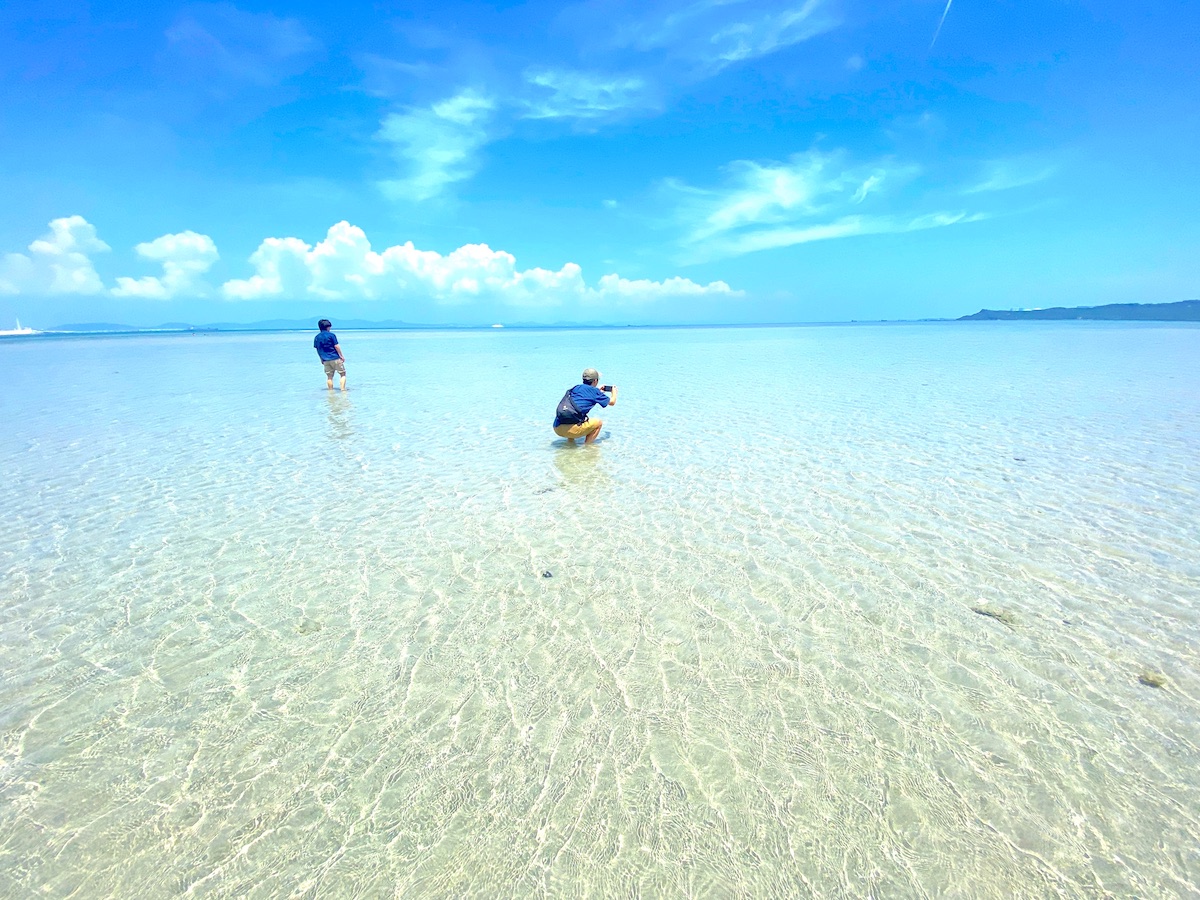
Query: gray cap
<point>591,376</point>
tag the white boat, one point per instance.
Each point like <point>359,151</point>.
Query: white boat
<point>497,325</point>
<point>13,332</point>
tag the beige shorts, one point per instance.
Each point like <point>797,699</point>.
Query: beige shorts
<point>582,430</point>
<point>334,365</point>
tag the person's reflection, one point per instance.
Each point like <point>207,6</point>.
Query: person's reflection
<point>581,466</point>
<point>340,427</point>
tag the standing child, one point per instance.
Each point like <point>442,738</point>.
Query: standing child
<point>326,343</point>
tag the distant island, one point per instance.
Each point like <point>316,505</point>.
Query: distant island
<point>1183,311</point>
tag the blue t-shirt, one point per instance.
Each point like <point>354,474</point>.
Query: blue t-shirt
<point>585,396</point>
<point>325,341</point>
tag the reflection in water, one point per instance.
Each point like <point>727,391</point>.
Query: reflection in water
<point>581,465</point>
<point>340,424</point>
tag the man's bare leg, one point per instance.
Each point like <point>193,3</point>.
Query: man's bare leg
<point>343,383</point>
<point>329,382</point>
<point>591,438</point>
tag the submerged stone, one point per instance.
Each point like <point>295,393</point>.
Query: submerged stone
<point>998,614</point>
<point>1152,679</point>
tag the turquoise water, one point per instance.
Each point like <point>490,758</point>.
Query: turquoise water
<point>259,640</point>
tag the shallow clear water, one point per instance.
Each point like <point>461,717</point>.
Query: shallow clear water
<point>257,640</point>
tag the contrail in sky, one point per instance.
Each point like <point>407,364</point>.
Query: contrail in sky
<point>945,13</point>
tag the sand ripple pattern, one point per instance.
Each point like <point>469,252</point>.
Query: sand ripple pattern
<point>258,641</point>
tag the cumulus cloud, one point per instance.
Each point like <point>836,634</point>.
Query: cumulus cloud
<point>281,270</point>
<point>438,146</point>
<point>811,197</point>
<point>344,267</point>
<point>185,257</point>
<point>564,93</point>
<point>59,262</point>
<point>642,290</point>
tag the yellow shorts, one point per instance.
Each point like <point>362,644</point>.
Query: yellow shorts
<point>577,431</point>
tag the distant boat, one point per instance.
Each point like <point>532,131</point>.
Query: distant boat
<point>497,325</point>
<point>13,332</point>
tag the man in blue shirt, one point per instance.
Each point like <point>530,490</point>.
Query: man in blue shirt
<point>326,343</point>
<point>585,396</point>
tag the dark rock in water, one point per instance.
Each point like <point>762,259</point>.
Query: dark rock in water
<point>998,614</point>
<point>1152,679</point>
<point>1019,458</point>
<point>547,574</point>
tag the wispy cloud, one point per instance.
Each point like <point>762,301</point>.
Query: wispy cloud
<point>344,267</point>
<point>769,31</point>
<point>846,226</point>
<point>1006,174</point>
<point>59,262</point>
<point>757,194</point>
<point>814,196</point>
<point>185,258</point>
<point>565,93</point>
<point>438,146</point>
<point>218,39</point>
<point>639,53</point>
<point>711,34</point>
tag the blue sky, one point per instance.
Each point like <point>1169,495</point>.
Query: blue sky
<point>644,162</point>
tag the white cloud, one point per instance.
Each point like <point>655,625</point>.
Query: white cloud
<point>58,262</point>
<point>847,226</point>
<point>584,95</point>
<point>811,197</point>
<point>715,33</point>
<point>872,182</point>
<point>282,271</point>
<point>615,288</point>
<point>438,146</point>
<point>344,267</point>
<point>185,257</point>
<point>769,31</point>
<point>1006,174</point>
<point>758,194</point>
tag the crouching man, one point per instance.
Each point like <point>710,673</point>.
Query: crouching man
<point>571,417</point>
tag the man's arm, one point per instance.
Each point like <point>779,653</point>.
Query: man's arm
<point>338,348</point>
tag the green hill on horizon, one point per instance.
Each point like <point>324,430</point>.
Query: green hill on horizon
<point>1182,311</point>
